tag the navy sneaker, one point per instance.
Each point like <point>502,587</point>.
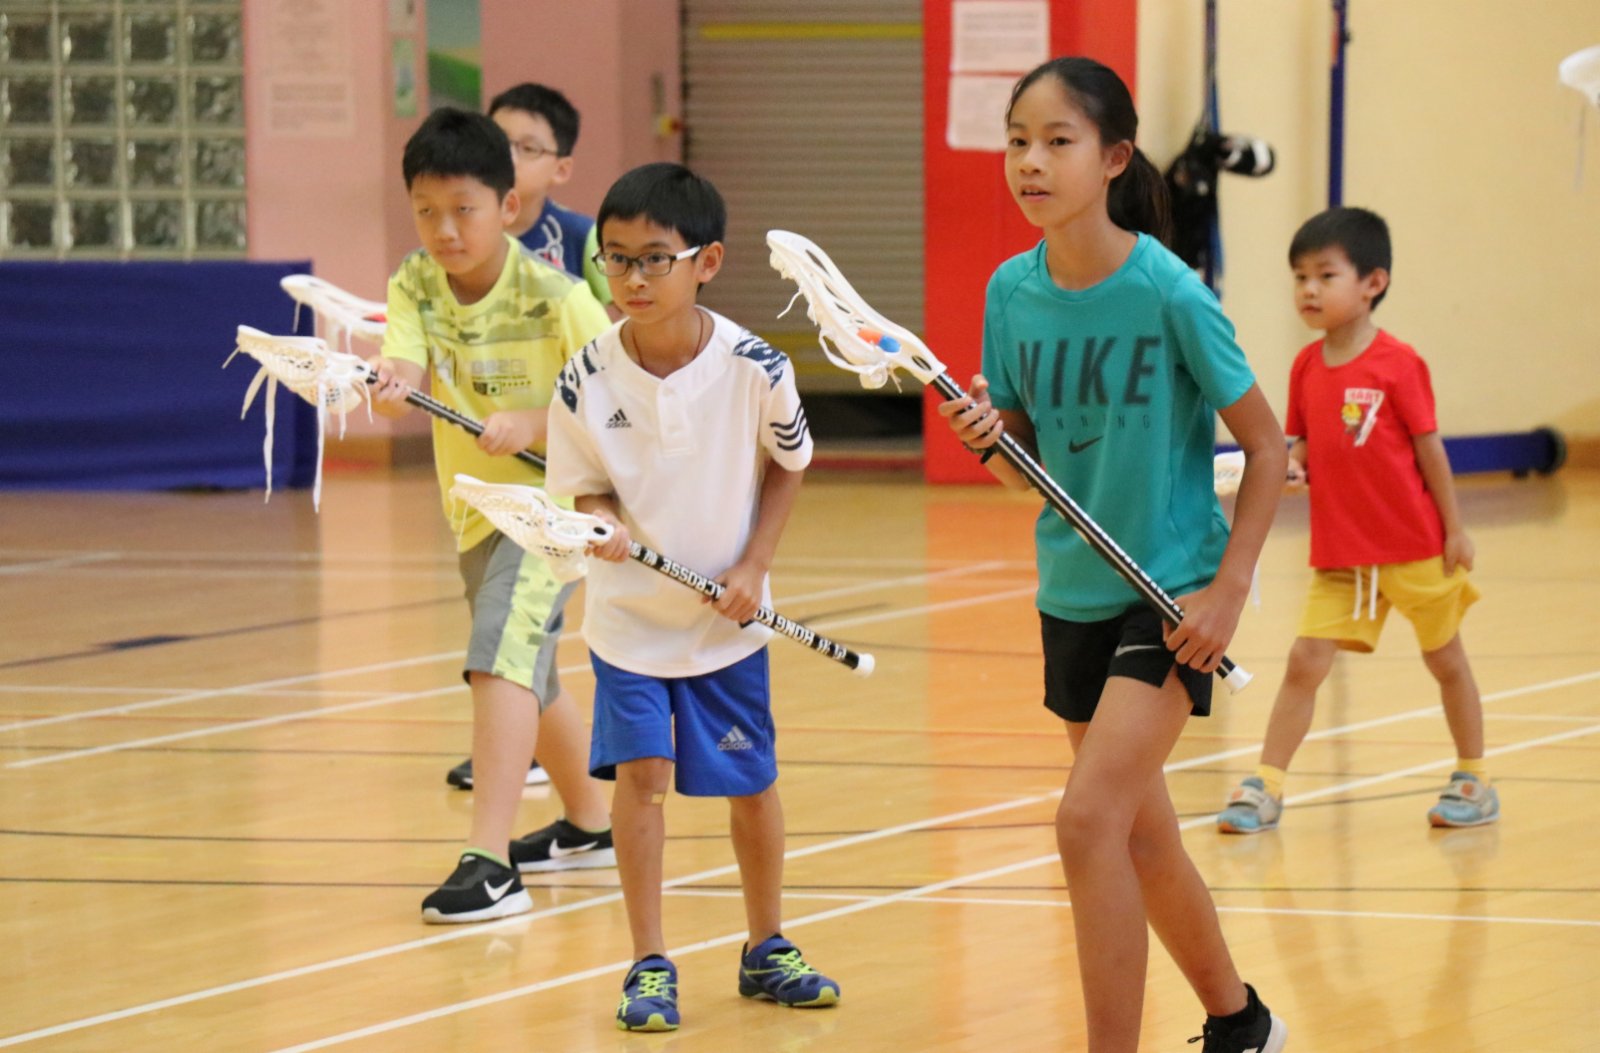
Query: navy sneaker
<point>649,996</point>
<point>1260,1031</point>
<point>775,971</point>
<point>477,890</point>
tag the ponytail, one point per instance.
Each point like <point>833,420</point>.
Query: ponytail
<point>1138,199</point>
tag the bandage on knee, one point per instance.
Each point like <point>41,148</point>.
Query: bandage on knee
<point>658,798</point>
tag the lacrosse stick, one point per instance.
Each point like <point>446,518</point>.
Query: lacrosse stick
<point>332,381</point>
<point>528,516</point>
<point>345,313</point>
<point>868,344</point>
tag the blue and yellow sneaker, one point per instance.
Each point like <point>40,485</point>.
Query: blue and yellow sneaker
<point>1250,809</point>
<point>649,996</point>
<point>1466,802</point>
<point>775,971</point>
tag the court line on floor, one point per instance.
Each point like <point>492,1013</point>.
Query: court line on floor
<point>492,927</point>
<point>1315,912</point>
<point>57,563</point>
<point>323,711</point>
<point>71,1026</point>
<point>70,689</point>
<point>191,696</point>
<point>218,692</point>
<point>616,968</point>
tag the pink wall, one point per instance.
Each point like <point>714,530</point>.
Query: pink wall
<point>323,181</point>
<point>332,191</point>
<point>602,54</point>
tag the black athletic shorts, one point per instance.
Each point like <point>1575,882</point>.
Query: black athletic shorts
<point>1080,656</point>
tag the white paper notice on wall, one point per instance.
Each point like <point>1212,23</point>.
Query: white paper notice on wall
<point>999,36</point>
<point>978,112</point>
<point>305,69</point>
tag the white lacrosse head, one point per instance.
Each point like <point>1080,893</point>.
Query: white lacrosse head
<point>345,314</point>
<point>528,516</point>
<point>332,381</point>
<point>1227,469</point>
<point>1581,72</point>
<point>864,341</point>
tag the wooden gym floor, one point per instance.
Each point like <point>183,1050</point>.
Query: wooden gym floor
<point>224,729</point>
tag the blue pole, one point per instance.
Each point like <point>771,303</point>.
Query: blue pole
<point>1341,37</point>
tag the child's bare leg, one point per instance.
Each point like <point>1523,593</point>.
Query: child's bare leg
<point>1458,691</point>
<point>1179,905</point>
<point>1309,662</point>
<point>639,830</point>
<point>1117,757</point>
<point>564,753</point>
<point>757,831</point>
<point>505,729</point>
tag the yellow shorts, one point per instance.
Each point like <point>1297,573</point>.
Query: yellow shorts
<point>1351,610</point>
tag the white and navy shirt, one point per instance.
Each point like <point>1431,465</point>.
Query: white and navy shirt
<point>684,457</point>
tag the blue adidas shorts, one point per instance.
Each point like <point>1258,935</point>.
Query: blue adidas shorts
<point>716,727</point>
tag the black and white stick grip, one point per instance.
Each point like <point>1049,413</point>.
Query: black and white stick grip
<point>862,664</point>
<point>1235,676</point>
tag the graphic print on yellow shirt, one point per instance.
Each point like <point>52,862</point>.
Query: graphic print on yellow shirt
<point>501,353</point>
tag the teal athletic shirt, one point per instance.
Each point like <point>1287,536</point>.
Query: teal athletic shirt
<point>1121,381</point>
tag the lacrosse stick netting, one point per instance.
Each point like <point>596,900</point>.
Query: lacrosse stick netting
<point>528,516</point>
<point>868,344</point>
<point>332,381</point>
<point>344,314</point>
<point>347,315</point>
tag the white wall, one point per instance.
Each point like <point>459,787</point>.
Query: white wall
<point>1459,133</point>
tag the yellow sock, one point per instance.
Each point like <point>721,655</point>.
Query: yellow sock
<point>1272,778</point>
<point>1475,766</point>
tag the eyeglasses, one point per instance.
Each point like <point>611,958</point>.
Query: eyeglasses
<point>531,150</point>
<point>651,264</point>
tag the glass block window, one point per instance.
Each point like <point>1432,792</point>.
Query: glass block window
<point>121,129</point>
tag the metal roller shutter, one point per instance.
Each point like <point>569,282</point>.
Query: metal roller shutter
<point>808,117</point>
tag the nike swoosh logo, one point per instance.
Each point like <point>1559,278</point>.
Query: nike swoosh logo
<point>1079,447</point>
<point>497,894</point>
<point>557,852</point>
<point>1126,648</point>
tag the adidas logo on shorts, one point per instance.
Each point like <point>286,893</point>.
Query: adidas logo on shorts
<point>619,419</point>
<point>736,740</point>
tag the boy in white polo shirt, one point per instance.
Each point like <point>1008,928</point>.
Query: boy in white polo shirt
<point>684,431</point>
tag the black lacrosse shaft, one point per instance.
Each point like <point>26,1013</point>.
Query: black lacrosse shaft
<point>766,616</point>
<point>1079,520</point>
<point>443,412</point>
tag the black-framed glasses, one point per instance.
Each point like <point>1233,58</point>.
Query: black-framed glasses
<point>532,151</point>
<point>651,264</point>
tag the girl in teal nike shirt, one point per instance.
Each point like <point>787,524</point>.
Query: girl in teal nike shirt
<point>1109,359</point>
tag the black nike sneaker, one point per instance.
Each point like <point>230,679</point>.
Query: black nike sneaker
<point>1254,1029</point>
<point>562,846</point>
<point>461,775</point>
<point>478,890</point>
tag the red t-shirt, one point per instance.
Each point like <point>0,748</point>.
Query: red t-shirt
<point>1369,503</point>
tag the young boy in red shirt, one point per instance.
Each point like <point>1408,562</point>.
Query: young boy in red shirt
<point>1385,528</point>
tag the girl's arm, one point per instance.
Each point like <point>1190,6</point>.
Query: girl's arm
<point>1435,466</point>
<point>742,581</point>
<point>979,426</point>
<point>1211,615</point>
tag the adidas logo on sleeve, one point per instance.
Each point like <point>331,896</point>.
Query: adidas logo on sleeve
<point>619,419</point>
<point>735,740</point>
